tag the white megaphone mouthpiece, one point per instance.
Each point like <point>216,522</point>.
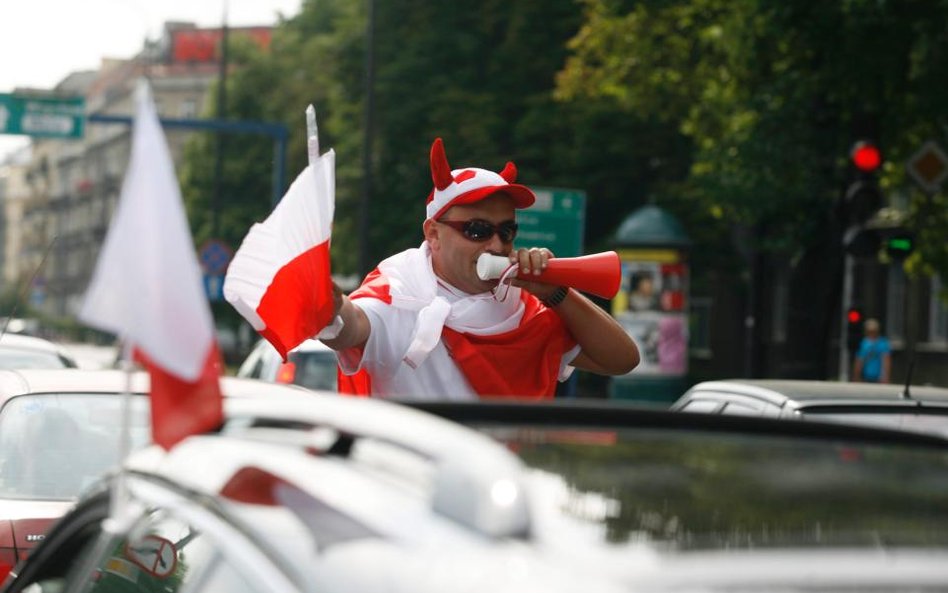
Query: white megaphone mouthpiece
<point>492,267</point>
<point>599,273</point>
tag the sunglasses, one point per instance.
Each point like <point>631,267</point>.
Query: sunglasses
<point>481,230</point>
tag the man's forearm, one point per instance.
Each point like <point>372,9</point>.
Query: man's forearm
<point>606,347</point>
<point>355,330</point>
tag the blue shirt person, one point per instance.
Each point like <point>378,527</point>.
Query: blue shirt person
<point>873,359</point>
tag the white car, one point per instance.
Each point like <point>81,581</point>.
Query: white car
<point>312,364</point>
<point>60,431</point>
<point>29,352</point>
<point>334,495</point>
<point>920,408</point>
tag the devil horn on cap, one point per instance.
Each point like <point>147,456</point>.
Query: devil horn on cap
<point>440,170</point>
<point>509,173</point>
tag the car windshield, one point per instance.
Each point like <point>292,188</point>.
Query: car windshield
<point>52,446</point>
<point>687,488</point>
<point>23,358</point>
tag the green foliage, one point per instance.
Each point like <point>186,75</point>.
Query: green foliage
<point>770,95</point>
<point>731,114</point>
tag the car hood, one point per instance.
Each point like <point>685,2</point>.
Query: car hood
<point>24,523</point>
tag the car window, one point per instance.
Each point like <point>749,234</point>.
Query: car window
<point>53,446</point>
<point>165,554</point>
<point>701,405</point>
<point>315,370</point>
<point>740,407</point>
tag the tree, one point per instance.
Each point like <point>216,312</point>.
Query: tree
<point>770,95</point>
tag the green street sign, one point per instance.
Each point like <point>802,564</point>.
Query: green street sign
<point>555,221</point>
<point>44,117</point>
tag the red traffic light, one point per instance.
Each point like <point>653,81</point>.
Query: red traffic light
<point>854,316</point>
<point>865,156</point>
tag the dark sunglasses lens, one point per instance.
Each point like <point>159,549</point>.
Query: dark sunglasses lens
<point>507,231</point>
<point>478,230</point>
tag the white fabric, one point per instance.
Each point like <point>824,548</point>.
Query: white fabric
<point>443,197</point>
<point>415,287</point>
<point>301,221</point>
<point>404,353</point>
<point>147,285</point>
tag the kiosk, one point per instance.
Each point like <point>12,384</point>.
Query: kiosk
<point>652,304</point>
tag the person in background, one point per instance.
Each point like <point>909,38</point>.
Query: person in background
<point>873,359</point>
<point>424,325</point>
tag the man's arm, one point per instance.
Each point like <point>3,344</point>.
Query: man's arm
<point>355,329</point>
<point>606,347</point>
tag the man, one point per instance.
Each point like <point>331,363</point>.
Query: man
<point>424,325</point>
<point>873,359</point>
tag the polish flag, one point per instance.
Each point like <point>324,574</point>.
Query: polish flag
<point>279,279</point>
<point>147,288</point>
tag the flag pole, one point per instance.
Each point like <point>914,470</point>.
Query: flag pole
<point>312,134</point>
<point>119,517</point>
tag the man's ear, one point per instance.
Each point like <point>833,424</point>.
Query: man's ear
<point>432,234</point>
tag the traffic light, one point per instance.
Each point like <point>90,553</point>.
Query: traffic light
<point>854,328</point>
<point>863,197</point>
<point>900,244</point>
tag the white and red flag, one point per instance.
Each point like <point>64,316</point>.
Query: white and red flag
<point>279,279</point>
<point>147,288</point>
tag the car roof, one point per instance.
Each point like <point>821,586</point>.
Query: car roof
<point>779,391</point>
<point>25,381</point>
<point>22,342</point>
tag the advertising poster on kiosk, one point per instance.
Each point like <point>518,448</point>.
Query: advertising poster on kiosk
<point>652,306</point>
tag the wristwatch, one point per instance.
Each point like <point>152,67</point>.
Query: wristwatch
<point>557,297</point>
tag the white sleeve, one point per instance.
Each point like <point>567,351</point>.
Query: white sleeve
<point>389,332</point>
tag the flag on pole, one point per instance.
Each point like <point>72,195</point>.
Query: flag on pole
<point>147,288</point>
<point>279,279</point>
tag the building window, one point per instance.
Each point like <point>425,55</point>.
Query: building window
<point>188,109</point>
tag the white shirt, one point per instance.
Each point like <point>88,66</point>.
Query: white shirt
<point>404,353</point>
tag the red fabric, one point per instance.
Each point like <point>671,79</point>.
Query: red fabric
<point>359,384</point>
<point>180,408</point>
<point>299,301</point>
<point>374,286</point>
<point>523,363</point>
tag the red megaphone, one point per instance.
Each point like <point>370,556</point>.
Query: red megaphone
<point>599,273</point>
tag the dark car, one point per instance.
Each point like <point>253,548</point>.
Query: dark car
<point>333,494</point>
<point>916,407</point>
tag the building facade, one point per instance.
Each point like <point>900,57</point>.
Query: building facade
<point>60,200</point>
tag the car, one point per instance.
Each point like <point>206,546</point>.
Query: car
<point>59,432</point>
<point>312,364</point>
<point>917,407</point>
<point>331,494</point>
<point>30,352</point>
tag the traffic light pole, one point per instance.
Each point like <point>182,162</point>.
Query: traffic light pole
<point>844,362</point>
